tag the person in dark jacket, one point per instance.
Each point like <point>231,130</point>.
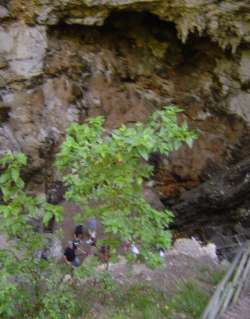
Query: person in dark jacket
<point>70,255</point>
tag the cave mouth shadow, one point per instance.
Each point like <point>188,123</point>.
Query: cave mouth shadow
<point>120,22</point>
<point>4,115</point>
<point>126,25</point>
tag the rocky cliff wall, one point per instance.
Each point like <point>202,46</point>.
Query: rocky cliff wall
<point>64,60</point>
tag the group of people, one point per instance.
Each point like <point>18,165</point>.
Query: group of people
<point>84,234</point>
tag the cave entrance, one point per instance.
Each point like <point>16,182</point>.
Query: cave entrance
<point>127,20</point>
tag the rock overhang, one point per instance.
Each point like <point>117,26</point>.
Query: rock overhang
<point>226,22</point>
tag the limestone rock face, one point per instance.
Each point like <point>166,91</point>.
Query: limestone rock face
<point>4,13</point>
<point>240,103</point>
<point>24,48</point>
<point>245,66</point>
<point>62,61</point>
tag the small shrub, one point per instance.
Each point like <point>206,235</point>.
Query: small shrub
<point>31,287</point>
<point>190,300</point>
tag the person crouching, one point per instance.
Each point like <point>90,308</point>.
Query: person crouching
<point>70,255</point>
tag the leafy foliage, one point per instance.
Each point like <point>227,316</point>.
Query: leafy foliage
<point>104,174</point>
<point>31,287</point>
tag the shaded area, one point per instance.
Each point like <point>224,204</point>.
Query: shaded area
<point>219,194</point>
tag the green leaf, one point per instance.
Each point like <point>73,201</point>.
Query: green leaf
<point>144,154</point>
<point>4,178</point>
<point>15,174</point>
<point>21,159</point>
<point>190,142</point>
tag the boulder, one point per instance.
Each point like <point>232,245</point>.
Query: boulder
<point>54,248</point>
<point>194,249</point>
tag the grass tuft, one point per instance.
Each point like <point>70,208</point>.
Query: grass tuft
<point>211,276</point>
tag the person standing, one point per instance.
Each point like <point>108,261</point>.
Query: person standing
<point>91,230</point>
